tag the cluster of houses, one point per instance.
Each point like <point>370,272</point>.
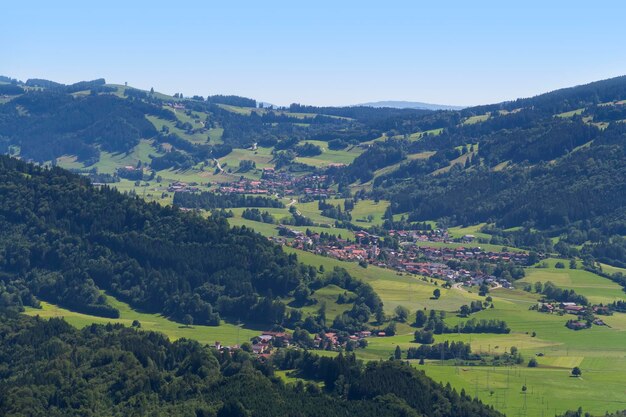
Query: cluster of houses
<point>561,307</point>
<point>332,341</point>
<point>273,182</point>
<point>437,235</point>
<point>245,186</point>
<point>467,254</point>
<point>182,187</point>
<point>576,310</point>
<point>409,257</point>
<point>264,344</point>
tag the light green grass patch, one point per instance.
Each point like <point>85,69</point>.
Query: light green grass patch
<point>570,114</point>
<point>364,208</point>
<point>227,334</point>
<point>476,119</point>
<point>110,162</point>
<point>69,162</point>
<point>459,231</point>
<point>596,288</point>
<point>328,296</point>
<point>329,156</point>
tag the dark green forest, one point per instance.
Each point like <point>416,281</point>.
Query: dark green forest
<point>49,368</point>
<point>65,241</point>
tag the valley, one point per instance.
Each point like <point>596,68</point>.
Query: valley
<point>366,216</point>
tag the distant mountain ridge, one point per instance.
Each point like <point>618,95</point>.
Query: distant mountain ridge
<point>410,105</point>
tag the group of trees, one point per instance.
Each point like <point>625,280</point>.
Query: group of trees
<point>51,369</point>
<point>64,241</point>
<point>433,323</point>
<point>444,351</point>
<point>209,200</point>
<point>552,292</point>
<point>258,216</point>
<point>394,385</point>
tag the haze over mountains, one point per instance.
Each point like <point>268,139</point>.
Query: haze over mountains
<point>399,104</point>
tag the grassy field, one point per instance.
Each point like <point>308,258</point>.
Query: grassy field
<point>328,296</point>
<point>550,391</point>
<point>329,156</point>
<point>419,135</point>
<point>311,211</point>
<point>599,352</point>
<point>196,137</point>
<point>459,231</point>
<point>69,162</point>
<point>271,230</point>
<point>394,288</point>
<point>612,269</point>
<point>262,157</point>
<point>109,162</point>
<point>226,333</point>
<point>570,114</point>
<point>476,119</point>
<point>596,289</point>
<point>364,208</point>
<point>461,160</point>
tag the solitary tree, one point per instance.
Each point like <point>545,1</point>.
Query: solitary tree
<point>437,293</point>
<point>398,353</point>
<point>576,372</point>
<point>188,320</point>
<point>420,318</point>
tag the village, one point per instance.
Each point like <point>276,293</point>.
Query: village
<point>408,257</point>
<point>585,315</point>
<point>280,183</point>
<point>264,344</point>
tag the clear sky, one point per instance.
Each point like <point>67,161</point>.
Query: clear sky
<point>319,52</point>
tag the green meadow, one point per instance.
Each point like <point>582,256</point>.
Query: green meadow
<point>226,333</point>
<point>363,209</point>
<point>596,289</point>
<point>393,287</point>
<point>460,231</point>
<point>329,156</point>
<point>476,119</point>
<point>598,351</point>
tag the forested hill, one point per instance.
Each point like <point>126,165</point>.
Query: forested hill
<point>551,166</point>
<point>49,368</point>
<point>64,241</point>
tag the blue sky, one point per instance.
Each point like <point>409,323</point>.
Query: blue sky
<point>320,52</point>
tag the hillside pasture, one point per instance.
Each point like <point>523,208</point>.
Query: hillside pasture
<point>329,156</point>
<point>596,288</point>
<point>226,333</point>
